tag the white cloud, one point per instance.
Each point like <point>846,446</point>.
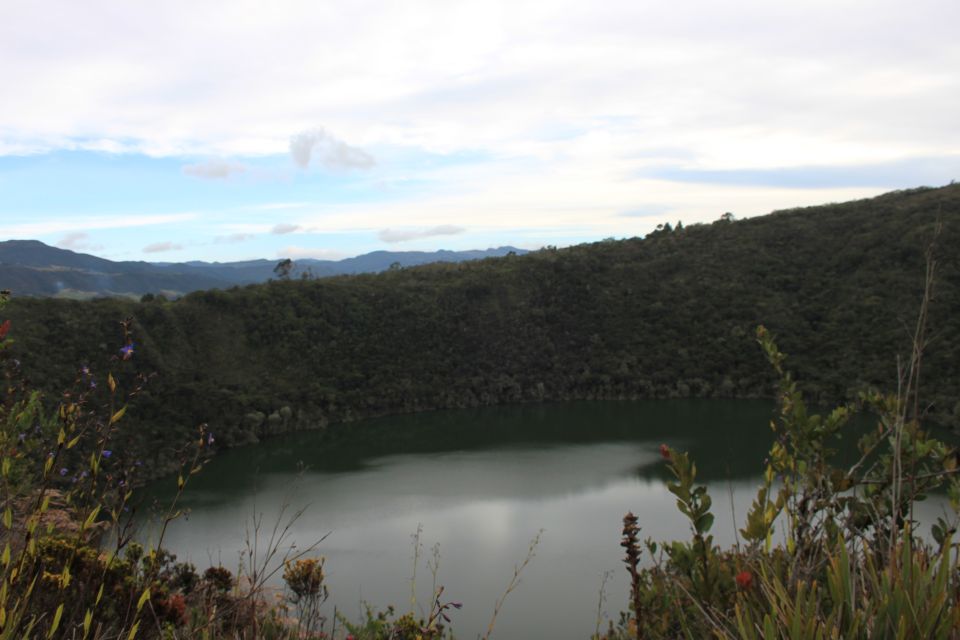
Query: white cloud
<point>161,247</point>
<point>404,235</point>
<point>729,82</point>
<point>78,241</point>
<point>331,152</point>
<point>284,228</point>
<point>317,253</point>
<point>234,238</point>
<point>61,225</point>
<point>214,169</point>
<point>564,108</point>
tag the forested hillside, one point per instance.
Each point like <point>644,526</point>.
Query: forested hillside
<point>672,314</point>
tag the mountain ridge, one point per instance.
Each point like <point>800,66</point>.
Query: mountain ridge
<point>30,267</point>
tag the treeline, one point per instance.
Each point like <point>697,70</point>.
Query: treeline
<point>672,314</point>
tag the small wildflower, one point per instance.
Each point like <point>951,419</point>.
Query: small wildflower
<point>85,370</point>
<point>22,437</point>
<point>107,453</point>
<point>744,579</point>
<point>93,384</point>
<point>127,351</point>
<point>63,471</point>
<point>664,452</point>
<point>210,439</point>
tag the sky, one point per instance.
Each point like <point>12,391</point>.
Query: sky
<point>171,131</point>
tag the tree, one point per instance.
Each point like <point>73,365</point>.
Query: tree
<point>283,269</point>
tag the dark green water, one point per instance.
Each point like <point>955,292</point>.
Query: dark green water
<point>481,483</point>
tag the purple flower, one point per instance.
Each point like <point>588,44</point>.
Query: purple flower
<point>210,439</point>
<point>127,351</point>
<point>93,385</point>
<point>107,453</point>
<point>63,471</point>
<point>85,370</point>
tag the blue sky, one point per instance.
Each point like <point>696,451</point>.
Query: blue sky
<point>229,130</point>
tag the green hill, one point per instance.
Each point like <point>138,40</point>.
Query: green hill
<point>672,314</point>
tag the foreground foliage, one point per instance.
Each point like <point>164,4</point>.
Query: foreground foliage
<point>848,562</point>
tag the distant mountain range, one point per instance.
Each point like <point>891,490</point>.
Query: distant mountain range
<point>30,267</point>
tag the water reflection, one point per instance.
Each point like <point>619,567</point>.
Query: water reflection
<point>482,483</point>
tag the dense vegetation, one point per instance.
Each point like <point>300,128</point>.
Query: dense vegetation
<point>671,314</point>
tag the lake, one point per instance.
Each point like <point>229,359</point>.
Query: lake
<point>481,484</point>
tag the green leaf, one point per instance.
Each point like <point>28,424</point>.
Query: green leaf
<point>92,517</point>
<point>119,414</point>
<point>56,621</point>
<point>143,598</point>
<point>704,523</point>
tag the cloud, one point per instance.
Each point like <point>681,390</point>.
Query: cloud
<point>160,247</point>
<point>646,211</point>
<point>214,169</point>
<point>78,240</point>
<point>234,238</point>
<point>396,235</point>
<point>329,151</point>
<point>284,228</point>
<point>911,171</point>
<point>41,227</point>
<point>299,253</point>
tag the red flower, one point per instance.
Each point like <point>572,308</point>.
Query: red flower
<point>4,328</point>
<point>744,579</point>
<point>664,452</point>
